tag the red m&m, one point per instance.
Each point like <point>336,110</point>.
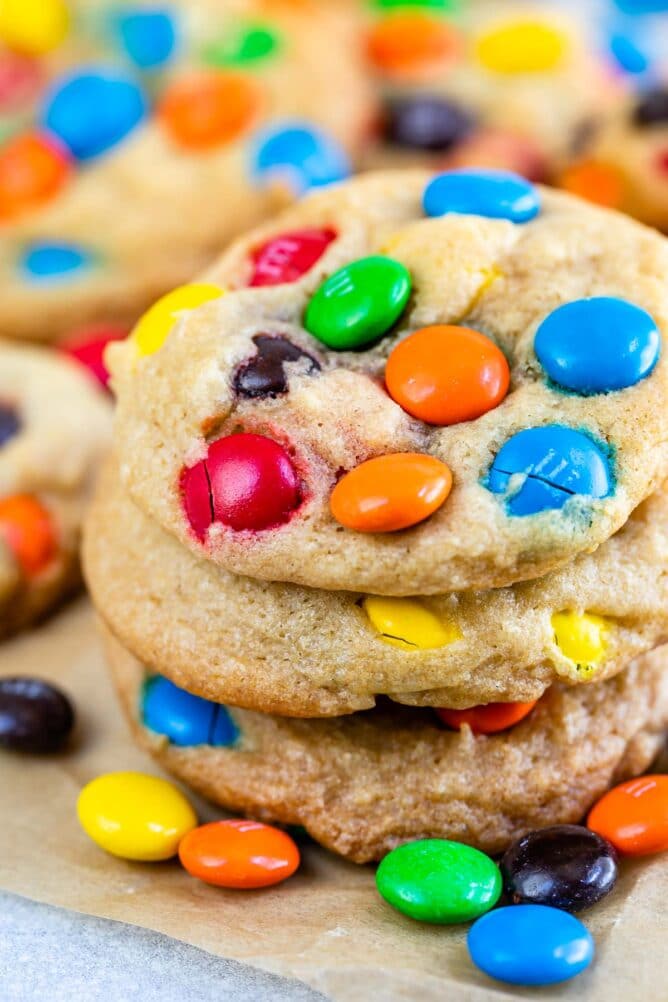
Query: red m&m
<point>289,256</point>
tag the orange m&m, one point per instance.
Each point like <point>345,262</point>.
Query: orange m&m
<point>634,816</point>
<point>32,170</point>
<point>405,42</point>
<point>28,530</point>
<point>445,374</point>
<point>489,718</point>
<point>391,492</point>
<point>597,182</point>
<point>239,854</point>
<point>208,108</point>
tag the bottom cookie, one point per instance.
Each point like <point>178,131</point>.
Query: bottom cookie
<point>364,783</point>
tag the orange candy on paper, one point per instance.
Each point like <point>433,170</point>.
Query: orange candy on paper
<point>28,530</point>
<point>634,816</point>
<point>208,108</point>
<point>488,718</point>
<point>406,42</point>
<point>32,170</point>
<point>391,492</point>
<point>445,374</point>
<point>239,854</point>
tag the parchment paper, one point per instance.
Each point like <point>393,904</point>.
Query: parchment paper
<point>326,926</point>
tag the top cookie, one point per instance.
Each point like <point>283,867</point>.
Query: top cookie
<point>440,383</point>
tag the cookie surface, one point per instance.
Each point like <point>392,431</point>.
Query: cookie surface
<point>548,465</point>
<point>365,783</point>
<point>281,648</point>
<point>54,428</point>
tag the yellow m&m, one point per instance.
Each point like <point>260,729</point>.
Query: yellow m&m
<point>581,636</point>
<point>153,328</point>
<point>522,47</point>
<point>135,816</point>
<point>407,623</point>
<point>33,27</point>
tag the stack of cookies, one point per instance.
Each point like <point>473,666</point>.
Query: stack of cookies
<point>382,549</point>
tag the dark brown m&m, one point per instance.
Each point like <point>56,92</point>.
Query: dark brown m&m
<point>425,123</point>
<point>10,423</point>
<point>264,374</point>
<point>652,108</point>
<point>34,715</point>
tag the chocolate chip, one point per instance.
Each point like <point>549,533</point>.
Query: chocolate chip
<point>34,716</point>
<point>425,123</point>
<point>652,109</point>
<point>264,374</point>
<point>10,424</point>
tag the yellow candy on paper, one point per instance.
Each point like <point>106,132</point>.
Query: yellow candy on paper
<point>135,816</point>
<point>407,623</point>
<point>581,637</point>
<point>33,27</point>
<point>152,330</point>
<point>522,47</point>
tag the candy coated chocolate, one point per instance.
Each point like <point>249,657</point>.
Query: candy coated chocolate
<point>652,108</point>
<point>10,423</point>
<point>300,155</point>
<point>184,718</point>
<point>288,256</point>
<point>496,194</point>
<point>34,715</point>
<point>49,262</point>
<point>148,36</point>
<point>425,123</point>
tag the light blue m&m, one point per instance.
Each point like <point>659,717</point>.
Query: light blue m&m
<point>148,36</point>
<point>598,345</point>
<point>496,194</point>
<point>93,110</point>
<point>299,154</point>
<point>185,719</point>
<point>53,262</point>
<point>530,945</point>
<point>541,468</point>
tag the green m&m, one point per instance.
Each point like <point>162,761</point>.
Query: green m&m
<point>439,881</point>
<point>358,303</point>
<point>251,44</point>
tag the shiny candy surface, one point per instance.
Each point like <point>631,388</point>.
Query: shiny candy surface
<point>32,171</point>
<point>434,880</point>
<point>239,854</point>
<point>184,718</point>
<point>530,945</point>
<point>495,194</point>
<point>135,816</point>
<point>555,463</point>
<point>408,623</point>
<point>425,123</point>
<point>247,481</point>
<point>409,41</point>
<point>88,346</point>
<point>34,715</point>
<point>208,108</point>
<point>359,303</point>
<point>296,154</point>
<point>147,36</point>
<point>33,27</point>
<point>488,718</point>
<point>287,257</point>
<point>153,328</point>
<point>54,262</point>
<point>27,528</point>
<point>10,423</point>
<point>581,636</point>
<point>522,47</point>
<point>265,374</point>
<point>598,345</point>
<point>565,866</point>
<point>391,492</point>
<point>445,374</point>
<point>91,111</point>
<point>634,816</point>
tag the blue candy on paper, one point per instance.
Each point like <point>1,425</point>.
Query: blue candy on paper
<point>48,262</point>
<point>496,194</point>
<point>148,36</point>
<point>299,154</point>
<point>184,718</point>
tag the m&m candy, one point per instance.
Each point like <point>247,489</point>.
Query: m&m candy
<point>598,182</point>
<point>32,170</point>
<point>634,816</point>
<point>54,262</point>
<point>404,42</point>
<point>35,716</point>
<point>27,528</point>
<point>10,423</point>
<point>208,108</point>
<point>426,123</point>
<point>147,36</point>
<point>152,330</point>
<point>287,257</point>
<point>581,636</point>
<point>184,718</point>
<point>407,623</point>
<point>488,718</point>
<point>21,79</point>
<point>496,194</point>
<point>239,854</point>
<point>249,45</point>
<point>33,27</point>
<point>299,156</point>
<point>87,347</point>
<point>652,108</point>
<point>522,46</point>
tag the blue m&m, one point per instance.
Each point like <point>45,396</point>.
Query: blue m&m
<point>541,468</point>
<point>185,719</point>
<point>496,194</point>
<point>530,945</point>
<point>53,262</point>
<point>598,345</point>
<point>147,36</point>
<point>93,110</point>
<point>299,154</point>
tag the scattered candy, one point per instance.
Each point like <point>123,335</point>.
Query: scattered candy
<point>488,718</point>
<point>597,182</point>
<point>265,375</point>
<point>21,79</point>
<point>289,256</point>
<point>250,45</point>
<point>522,47</point>
<point>652,108</point>
<point>91,111</point>
<point>530,945</point>
<point>152,330</point>
<point>33,27</point>
<point>634,816</point>
<point>239,854</point>
<point>135,816</point>
<point>391,492</point>
<point>148,37</point>
<point>87,347</point>
<point>565,866</point>
<point>598,345</point>
<point>300,156</point>
<point>27,529</point>
<point>184,718</point>
<point>496,194</point>
<point>208,108</point>
<point>445,374</point>
<point>406,42</point>
<point>407,623</point>
<point>32,171</point>
<point>426,123</point>
<point>46,262</point>
<point>554,464</point>
<point>10,423</point>
<point>247,481</point>
<point>359,303</point>
<point>434,880</point>
<point>581,636</point>
<point>34,715</point>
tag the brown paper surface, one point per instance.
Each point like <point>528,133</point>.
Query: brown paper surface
<point>327,925</point>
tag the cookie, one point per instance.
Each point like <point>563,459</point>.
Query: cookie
<point>280,648</point>
<point>443,392</point>
<point>365,783</point>
<point>54,429</point>
<point>156,134</point>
